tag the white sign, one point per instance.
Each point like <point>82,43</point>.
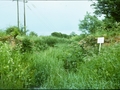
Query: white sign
<point>100,40</point>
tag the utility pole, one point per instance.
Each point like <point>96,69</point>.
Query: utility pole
<point>18,13</point>
<point>24,1</point>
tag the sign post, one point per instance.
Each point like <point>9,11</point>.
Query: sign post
<point>100,40</point>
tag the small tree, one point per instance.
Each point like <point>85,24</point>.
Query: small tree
<point>73,34</point>
<point>89,24</point>
<point>33,34</point>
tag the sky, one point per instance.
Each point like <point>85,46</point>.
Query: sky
<point>46,16</point>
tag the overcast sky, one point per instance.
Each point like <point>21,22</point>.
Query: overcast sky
<point>44,16</point>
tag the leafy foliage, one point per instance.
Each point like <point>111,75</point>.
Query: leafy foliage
<point>33,34</point>
<point>14,72</point>
<point>26,45</point>
<point>66,65</point>
<point>14,31</point>
<point>22,31</point>
<point>72,34</point>
<point>2,33</point>
<point>110,8</point>
<point>89,24</point>
<point>73,56</point>
<point>58,34</point>
<point>39,44</point>
<point>63,61</point>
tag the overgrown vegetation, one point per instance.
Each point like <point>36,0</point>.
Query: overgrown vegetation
<point>53,62</point>
<point>61,61</point>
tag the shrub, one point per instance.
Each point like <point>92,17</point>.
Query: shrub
<point>14,31</point>
<point>73,56</point>
<point>39,44</point>
<point>77,38</point>
<point>26,45</point>
<point>50,41</point>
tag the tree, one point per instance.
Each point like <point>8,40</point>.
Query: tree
<point>33,34</point>
<point>59,34</point>
<point>89,24</point>
<point>109,8</point>
<point>73,34</point>
<point>56,34</point>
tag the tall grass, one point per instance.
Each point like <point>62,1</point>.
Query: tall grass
<point>62,64</point>
<point>100,72</point>
<point>13,70</point>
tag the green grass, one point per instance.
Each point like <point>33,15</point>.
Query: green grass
<point>100,72</point>
<point>86,69</point>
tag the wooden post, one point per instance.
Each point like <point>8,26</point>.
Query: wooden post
<point>99,47</point>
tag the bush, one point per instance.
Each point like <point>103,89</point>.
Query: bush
<point>77,38</point>
<point>39,44</point>
<point>73,56</point>
<point>26,45</point>
<point>14,31</point>
<point>50,41</point>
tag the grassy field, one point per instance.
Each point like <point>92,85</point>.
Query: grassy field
<point>49,62</point>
